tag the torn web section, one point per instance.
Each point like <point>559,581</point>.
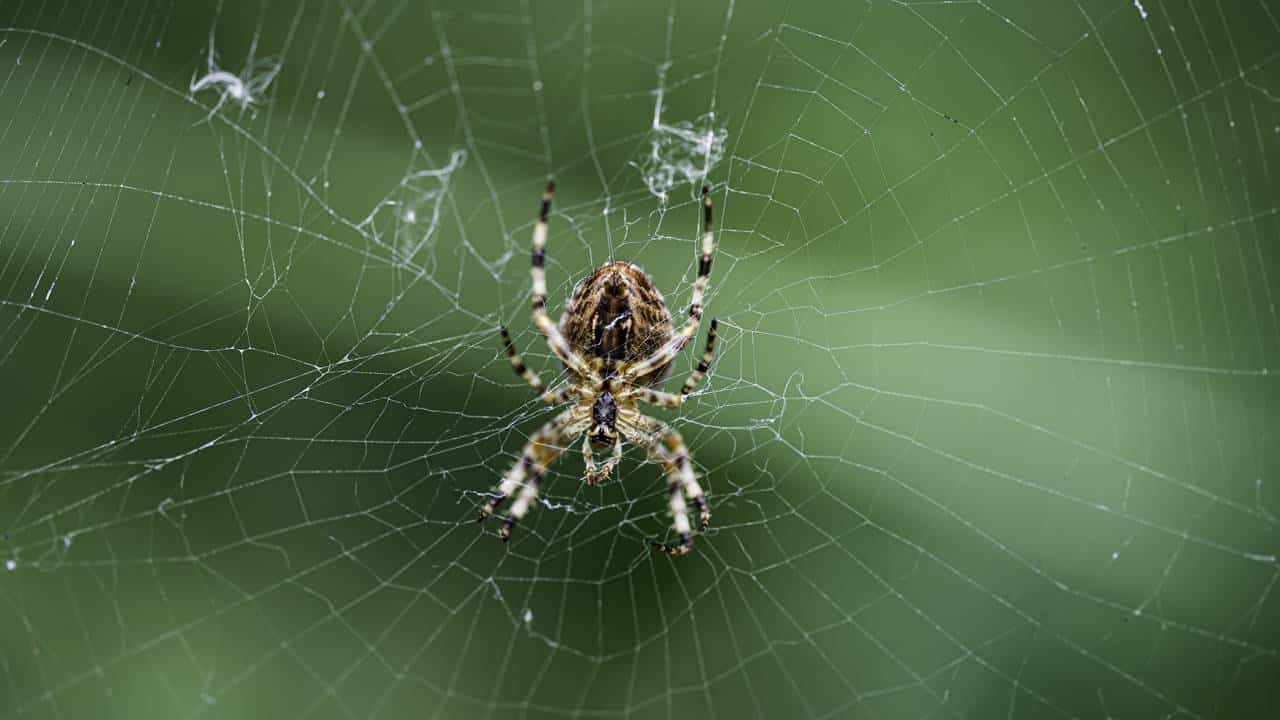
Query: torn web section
<point>681,153</point>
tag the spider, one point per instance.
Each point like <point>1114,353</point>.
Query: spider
<point>617,342</point>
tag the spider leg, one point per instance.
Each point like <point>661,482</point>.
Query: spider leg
<point>597,475</point>
<point>667,352</point>
<point>665,446</point>
<point>703,364</point>
<point>528,496</point>
<point>541,450</point>
<point>555,340</point>
<point>659,398</point>
<point>531,377</point>
<point>672,400</point>
<point>562,395</point>
<point>704,264</point>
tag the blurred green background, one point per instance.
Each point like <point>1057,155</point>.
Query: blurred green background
<point>994,428</point>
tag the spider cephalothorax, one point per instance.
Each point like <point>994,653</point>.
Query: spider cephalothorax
<point>604,418</point>
<point>617,342</point>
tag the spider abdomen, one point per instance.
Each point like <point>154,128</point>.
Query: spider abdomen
<point>617,315</point>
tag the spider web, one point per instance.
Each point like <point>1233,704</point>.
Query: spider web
<point>992,429</point>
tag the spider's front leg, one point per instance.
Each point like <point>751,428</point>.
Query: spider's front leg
<point>541,450</point>
<point>667,448</point>
<point>595,475</point>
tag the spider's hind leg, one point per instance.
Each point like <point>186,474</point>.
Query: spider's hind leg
<point>673,400</point>
<point>704,364</point>
<point>555,340</point>
<point>531,377</point>
<point>667,352</point>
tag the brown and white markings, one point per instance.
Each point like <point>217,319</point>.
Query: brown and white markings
<point>617,342</point>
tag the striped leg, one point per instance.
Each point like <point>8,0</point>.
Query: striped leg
<point>558,344</point>
<point>703,364</point>
<point>672,400</point>
<point>704,263</point>
<point>541,450</point>
<point>668,352</point>
<point>522,505</point>
<point>667,447</point>
<point>531,377</point>
<point>659,398</point>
